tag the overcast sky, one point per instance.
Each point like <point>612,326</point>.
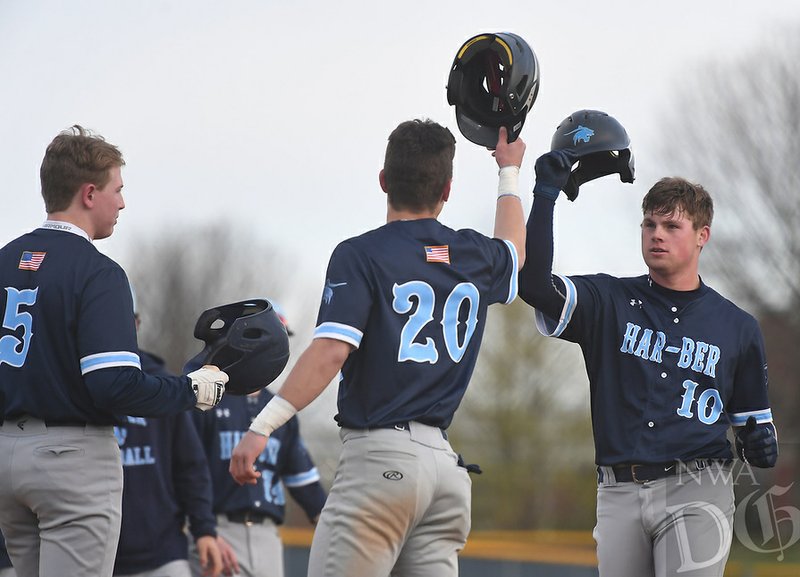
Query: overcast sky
<point>273,116</point>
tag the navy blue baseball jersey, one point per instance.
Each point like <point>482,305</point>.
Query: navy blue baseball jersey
<point>669,371</point>
<point>166,480</point>
<point>411,297</point>
<point>285,461</point>
<point>68,350</point>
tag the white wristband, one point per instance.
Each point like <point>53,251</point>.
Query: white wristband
<point>277,412</point>
<point>509,181</point>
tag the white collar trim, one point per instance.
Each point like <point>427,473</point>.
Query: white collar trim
<point>65,227</point>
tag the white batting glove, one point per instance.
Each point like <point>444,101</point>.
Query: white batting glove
<point>208,384</point>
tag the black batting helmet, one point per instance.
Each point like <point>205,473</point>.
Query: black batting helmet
<point>247,340</point>
<point>493,82</point>
<point>602,146</point>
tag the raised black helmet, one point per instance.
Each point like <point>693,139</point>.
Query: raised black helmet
<point>601,144</point>
<point>493,82</point>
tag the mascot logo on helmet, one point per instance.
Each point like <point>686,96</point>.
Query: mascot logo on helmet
<point>581,134</point>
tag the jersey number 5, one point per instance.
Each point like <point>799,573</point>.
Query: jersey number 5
<point>423,293</point>
<point>10,352</point>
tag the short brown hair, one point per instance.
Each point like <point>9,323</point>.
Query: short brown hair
<point>674,195</point>
<point>75,157</point>
<point>418,164</point>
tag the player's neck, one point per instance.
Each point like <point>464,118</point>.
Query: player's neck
<point>683,281</point>
<point>73,217</point>
<point>394,215</point>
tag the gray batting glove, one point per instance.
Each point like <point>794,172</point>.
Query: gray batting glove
<point>208,384</point>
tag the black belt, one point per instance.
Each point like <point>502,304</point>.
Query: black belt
<point>247,517</point>
<point>405,426</point>
<point>652,472</point>
<point>64,424</point>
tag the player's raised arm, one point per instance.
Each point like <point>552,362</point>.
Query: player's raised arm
<point>509,221</point>
<point>535,281</point>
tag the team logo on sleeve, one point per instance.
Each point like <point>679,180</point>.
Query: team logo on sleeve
<point>31,260</point>
<point>439,253</point>
<point>327,293</point>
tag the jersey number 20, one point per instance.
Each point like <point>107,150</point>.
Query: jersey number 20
<point>423,293</point>
<point>13,318</point>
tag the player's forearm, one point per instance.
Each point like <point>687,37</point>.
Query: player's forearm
<point>129,391</point>
<point>315,369</point>
<point>536,277</point>
<point>509,220</point>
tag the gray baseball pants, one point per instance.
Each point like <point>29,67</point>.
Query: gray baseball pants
<point>679,526</point>
<point>60,498</point>
<point>399,506</point>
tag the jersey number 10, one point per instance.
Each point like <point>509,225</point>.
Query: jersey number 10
<point>423,293</point>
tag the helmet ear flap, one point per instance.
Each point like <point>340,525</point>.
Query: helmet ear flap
<point>455,88</point>
<point>597,165</point>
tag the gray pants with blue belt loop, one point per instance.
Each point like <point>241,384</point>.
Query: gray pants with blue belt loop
<point>677,526</point>
<point>399,506</point>
<point>60,498</point>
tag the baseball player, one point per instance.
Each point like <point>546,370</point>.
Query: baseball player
<point>166,479</point>
<point>402,315</point>
<point>672,365</point>
<point>248,516</point>
<point>68,366</point>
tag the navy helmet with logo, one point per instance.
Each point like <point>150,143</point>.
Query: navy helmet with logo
<point>601,145</point>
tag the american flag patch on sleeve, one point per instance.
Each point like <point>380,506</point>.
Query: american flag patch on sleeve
<point>437,253</point>
<point>31,260</point>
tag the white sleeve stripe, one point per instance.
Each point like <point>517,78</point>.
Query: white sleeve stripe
<point>512,282</point>
<point>740,419</point>
<point>570,302</point>
<point>340,332</point>
<point>97,361</point>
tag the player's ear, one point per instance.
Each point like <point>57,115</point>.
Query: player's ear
<point>446,190</point>
<point>86,194</point>
<point>382,180</point>
<point>703,235</point>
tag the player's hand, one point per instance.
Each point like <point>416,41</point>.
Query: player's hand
<point>210,556</point>
<point>244,457</point>
<point>208,384</point>
<point>757,444</point>
<point>552,172</point>
<point>508,154</point>
<point>230,564</point>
